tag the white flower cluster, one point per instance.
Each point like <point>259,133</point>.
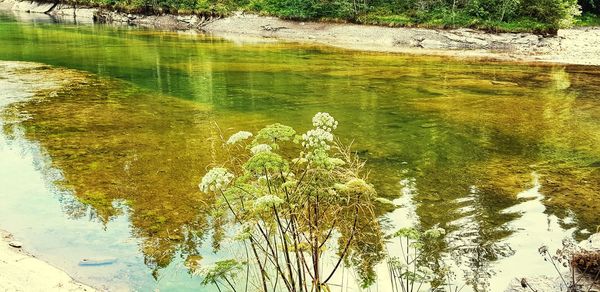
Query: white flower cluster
<point>317,138</point>
<point>435,232</point>
<point>215,179</point>
<point>206,270</point>
<point>261,148</point>
<point>266,202</point>
<point>239,136</point>
<point>324,121</point>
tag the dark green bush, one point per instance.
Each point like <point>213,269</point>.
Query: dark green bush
<point>306,9</point>
<point>556,13</point>
<point>592,6</point>
<point>498,15</point>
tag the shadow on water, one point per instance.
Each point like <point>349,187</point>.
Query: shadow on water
<point>458,144</point>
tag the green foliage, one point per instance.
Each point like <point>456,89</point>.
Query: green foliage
<point>305,9</point>
<point>496,15</point>
<point>512,15</point>
<point>556,13</point>
<point>273,134</point>
<point>265,162</point>
<point>587,19</point>
<point>221,270</point>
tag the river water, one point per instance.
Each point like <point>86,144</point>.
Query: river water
<point>504,156</point>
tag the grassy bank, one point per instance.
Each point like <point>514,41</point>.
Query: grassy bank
<point>544,16</point>
<point>588,19</point>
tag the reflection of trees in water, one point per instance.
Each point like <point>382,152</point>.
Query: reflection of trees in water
<point>149,151</point>
<point>549,126</point>
<point>118,151</point>
<point>468,170</point>
<point>474,218</point>
<point>121,151</point>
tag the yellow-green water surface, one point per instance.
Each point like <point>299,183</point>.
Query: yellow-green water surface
<point>504,155</point>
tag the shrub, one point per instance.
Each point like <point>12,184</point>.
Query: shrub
<point>556,13</point>
<point>587,262</point>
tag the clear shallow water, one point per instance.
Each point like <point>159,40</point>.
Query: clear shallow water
<point>505,156</point>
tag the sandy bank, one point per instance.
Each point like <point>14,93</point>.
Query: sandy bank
<point>571,46</point>
<point>20,271</point>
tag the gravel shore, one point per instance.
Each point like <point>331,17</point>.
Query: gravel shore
<point>580,46</point>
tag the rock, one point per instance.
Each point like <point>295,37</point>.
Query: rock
<point>194,20</point>
<point>539,284</point>
<point>526,39</point>
<point>592,243</point>
<point>85,15</point>
<point>464,39</point>
<point>268,27</point>
<point>15,244</point>
<point>97,261</point>
<point>412,42</point>
<point>184,18</point>
<point>432,44</point>
<point>33,7</point>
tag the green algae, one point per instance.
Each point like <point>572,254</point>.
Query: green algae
<point>106,152</point>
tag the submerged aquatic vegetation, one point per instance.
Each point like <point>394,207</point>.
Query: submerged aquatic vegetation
<point>120,160</point>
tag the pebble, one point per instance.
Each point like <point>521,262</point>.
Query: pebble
<point>97,261</point>
<point>15,244</point>
<point>432,44</point>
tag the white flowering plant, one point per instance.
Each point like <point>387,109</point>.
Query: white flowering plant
<point>294,197</point>
<point>411,271</point>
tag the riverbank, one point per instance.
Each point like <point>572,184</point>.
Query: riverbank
<point>579,46</point>
<point>19,270</point>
